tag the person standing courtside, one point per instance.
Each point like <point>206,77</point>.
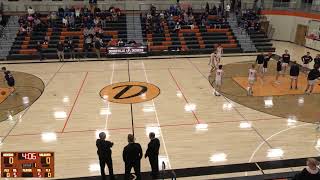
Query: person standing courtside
<point>259,61</point>
<point>104,152</point>
<point>317,59</point>
<point>60,51</point>
<point>132,155</point>
<point>153,153</point>
<point>213,62</point>
<point>313,76</point>
<point>71,49</point>
<point>306,59</point>
<point>285,62</point>
<point>10,80</point>
<point>294,74</point>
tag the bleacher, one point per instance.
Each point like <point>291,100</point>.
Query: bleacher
<point>196,40</point>
<point>261,41</point>
<point>258,36</point>
<point>24,46</point>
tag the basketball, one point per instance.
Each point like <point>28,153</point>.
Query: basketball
<point>3,93</point>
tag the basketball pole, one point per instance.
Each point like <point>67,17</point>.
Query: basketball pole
<point>132,125</point>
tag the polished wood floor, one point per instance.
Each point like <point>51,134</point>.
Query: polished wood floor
<point>195,127</point>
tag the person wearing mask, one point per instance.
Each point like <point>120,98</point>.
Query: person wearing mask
<point>60,51</point>
<point>153,153</point>
<point>132,155</point>
<point>104,152</point>
<point>311,172</point>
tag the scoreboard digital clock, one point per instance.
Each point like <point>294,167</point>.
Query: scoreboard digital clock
<point>27,164</point>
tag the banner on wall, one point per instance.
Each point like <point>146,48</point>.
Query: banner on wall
<point>127,50</point>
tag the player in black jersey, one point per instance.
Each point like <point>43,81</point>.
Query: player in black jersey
<point>313,75</point>
<point>285,62</point>
<point>259,61</point>
<point>317,59</point>
<point>265,65</point>
<point>294,73</point>
<point>306,59</point>
<point>10,80</point>
<point>279,69</point>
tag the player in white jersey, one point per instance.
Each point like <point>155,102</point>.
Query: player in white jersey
<point>213,61</point>
<point>219,52</point>
<point>252,76</point>
<point>218,80</point>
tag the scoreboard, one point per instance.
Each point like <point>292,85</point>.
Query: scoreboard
<point>27,164</point>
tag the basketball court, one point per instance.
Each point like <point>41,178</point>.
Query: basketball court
<point>171,97</point>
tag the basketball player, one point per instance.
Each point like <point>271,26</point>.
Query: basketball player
<point>10,80</point>
<point>279,70</point>
<point>219,52</point>
<point>251,79</point>
<point>285,62</point>
<point>294,73</point>
<point>306,59</point>
<point>259,61</point>
<point>313,75</point>
<point>218,80</point>
<point>265,64</point>
<point>213,61</point>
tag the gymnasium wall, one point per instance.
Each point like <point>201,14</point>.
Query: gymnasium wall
<point>285,22</point>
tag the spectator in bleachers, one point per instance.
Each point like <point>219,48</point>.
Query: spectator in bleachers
<point>65,21</point>
<point>112,42</point>
<point>30,11</point>
<point>46,40</point>
<point>98,31</point>
<point>121,43</point>
<point>207,7</point>
<point>71,21</point>
<point>39,50</point>
<point>96,21</point>
<point>23,30</point>
<point>87,45</point>
<point>220,10</point>
<point>60,51</point>
<point>177,27</point>
<point>93,5</point>
<point>97,45</point>
<point>227,11</point>
<point>311,172</point>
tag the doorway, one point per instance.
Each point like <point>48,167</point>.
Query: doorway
<point>301,34</point>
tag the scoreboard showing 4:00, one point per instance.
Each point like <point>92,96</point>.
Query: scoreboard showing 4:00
<point>27,164</point>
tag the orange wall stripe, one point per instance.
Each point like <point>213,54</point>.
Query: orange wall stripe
<point>291,13</point>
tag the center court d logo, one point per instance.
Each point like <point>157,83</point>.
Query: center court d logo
<point>130,92</point>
